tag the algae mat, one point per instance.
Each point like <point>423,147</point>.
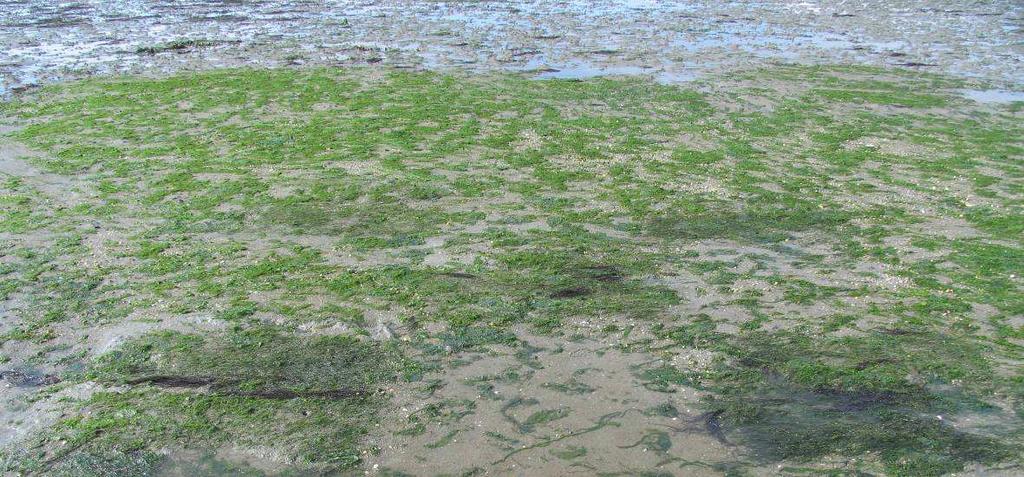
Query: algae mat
<point>794,270</point>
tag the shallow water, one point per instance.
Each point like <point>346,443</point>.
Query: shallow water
<point>44,41</point>
<point>994,96</point>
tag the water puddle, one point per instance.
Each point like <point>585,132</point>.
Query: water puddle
<point>579,70</point>
<point>588,70</point>
<point>995,96</point>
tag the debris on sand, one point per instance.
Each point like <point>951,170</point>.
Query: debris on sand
<point>27,379</point>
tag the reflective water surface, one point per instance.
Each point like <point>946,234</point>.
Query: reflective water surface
<point>672,41</point>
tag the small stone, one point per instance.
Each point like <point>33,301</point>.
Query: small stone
<point>381,332</point>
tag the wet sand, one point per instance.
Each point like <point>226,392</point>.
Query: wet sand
<point>610,393</point>
<point>670,41</point>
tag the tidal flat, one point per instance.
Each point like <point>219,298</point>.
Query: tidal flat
<point>796,270</point>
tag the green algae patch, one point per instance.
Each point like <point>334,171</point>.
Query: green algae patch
<point>311,399</point>
<point>262,362</point>
<point>907,396</point>
<point>830,256</point>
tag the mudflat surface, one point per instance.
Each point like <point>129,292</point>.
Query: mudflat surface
<point>511,238</point>
<point>671,41</point>
<point>791,270</point>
